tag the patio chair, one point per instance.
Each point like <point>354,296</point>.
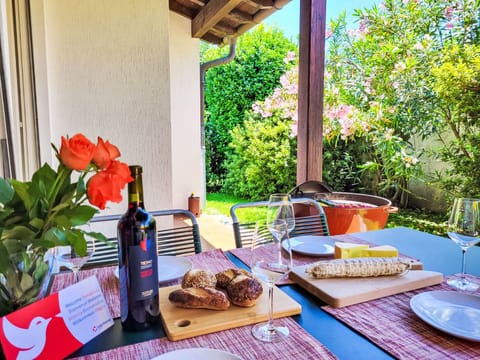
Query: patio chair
<point>176,241</point>
<point>304,225</point>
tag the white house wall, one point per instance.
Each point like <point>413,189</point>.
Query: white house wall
<point>185,111</point>
<point>108,74</point>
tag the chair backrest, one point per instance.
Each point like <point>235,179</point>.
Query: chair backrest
<point>177,241</point>
<point>304,225</point>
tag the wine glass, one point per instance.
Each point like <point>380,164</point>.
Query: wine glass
<point>464,230</point>
<point>271,264</point>
<point>71,260</point>
<point>280,206</point>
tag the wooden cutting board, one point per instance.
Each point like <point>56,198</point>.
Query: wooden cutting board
<point>341,292</point>
<point>182,323</point>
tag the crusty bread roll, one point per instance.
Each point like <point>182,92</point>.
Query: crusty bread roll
<point>244,290</point>
<point>199,279</point>
<point>224,277</point>
<point>199,298</point>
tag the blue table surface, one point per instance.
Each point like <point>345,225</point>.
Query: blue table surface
<point>435,252</point>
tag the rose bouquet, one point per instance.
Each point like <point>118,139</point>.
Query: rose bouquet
<point>50,210</point>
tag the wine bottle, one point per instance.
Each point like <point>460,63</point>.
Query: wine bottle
<point>137,260</point>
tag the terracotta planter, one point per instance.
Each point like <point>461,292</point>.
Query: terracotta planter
<point>194,205</point>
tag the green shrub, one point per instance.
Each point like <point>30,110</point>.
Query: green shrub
<point>458,85</point>
<point>263,158</point>
<point>231,89</point>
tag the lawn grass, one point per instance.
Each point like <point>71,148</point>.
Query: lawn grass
<point>419,219</point>
<point>220,204</point>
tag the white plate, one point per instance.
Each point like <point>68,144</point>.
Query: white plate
<point>455,313</point>
<point>311,245</point>
<point>197,354</point>
<point>170,268</point>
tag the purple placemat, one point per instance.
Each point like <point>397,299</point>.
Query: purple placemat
<point>300,345</point>
<point>214,260</point>
<point>392,325</point>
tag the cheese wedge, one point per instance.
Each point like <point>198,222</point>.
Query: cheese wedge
<point>381,251</point>
<point>349,250</point>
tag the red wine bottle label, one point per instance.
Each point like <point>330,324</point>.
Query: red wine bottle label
<point>143,273</point>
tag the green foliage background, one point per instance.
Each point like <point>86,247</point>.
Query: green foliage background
<point>231,89</point>
<point>409,72</point>
<point>263,160</point>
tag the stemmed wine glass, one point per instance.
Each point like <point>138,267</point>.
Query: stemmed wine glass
<point>464,230</point>
<point>280,206</point>
<point>270,264</point>
<point>71,260</point>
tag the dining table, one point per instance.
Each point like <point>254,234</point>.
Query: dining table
<point>384,328</point>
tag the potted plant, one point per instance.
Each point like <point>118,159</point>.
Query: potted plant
<point>50,209</point>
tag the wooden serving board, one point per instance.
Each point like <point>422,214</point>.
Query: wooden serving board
<point>340,292</point>
<point>182,323</point>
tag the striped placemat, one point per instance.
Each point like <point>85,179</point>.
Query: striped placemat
<point>214,260</point>
<point>239,341</point>
<point>392,325</point>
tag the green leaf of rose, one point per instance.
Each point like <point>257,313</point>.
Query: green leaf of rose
<point>57,235</point>
<point>14,220</point>
<point>4,213</point>
<point>80,215</point>
<point>77,240</point>
<point>18,233</point>
<point>62,221</point>
<point>100,237</point>
<point>22,189</point>
<point>4,258</point>
<point>81,189</point>
<point>37,223</point>
<point>26,282</point>
<point>45,176</point>
<point>6,191</point>
<point>97,235</point>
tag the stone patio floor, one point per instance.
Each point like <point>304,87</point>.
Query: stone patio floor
<point>215,230</point>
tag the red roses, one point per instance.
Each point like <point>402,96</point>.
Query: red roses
<point>111,175</point>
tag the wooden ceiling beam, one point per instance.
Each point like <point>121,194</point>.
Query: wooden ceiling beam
<point>241,16</point>
<point>181,9</point>
<point>211,14</point>
<point>260,16</point>
<point>265,4</point>
<point>209,37</point>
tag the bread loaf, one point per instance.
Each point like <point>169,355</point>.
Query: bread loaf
<point>199,279</point>
<point>357,267</point>
<point>199,298</point>
<point>244,290</point>
<point>224,277</point>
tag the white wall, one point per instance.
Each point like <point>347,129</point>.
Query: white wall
<point>108,74</point>
<point>185,111</point>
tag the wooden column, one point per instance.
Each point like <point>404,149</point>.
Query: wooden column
<point>310,92</point>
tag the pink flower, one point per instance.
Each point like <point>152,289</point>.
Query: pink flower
<point>293,129</point>
<point>448,12</point>
<point>328,33</point>
<point>449,25</point>
<point>400,66</point>
<point>290,57</point>
<point>418,46</point>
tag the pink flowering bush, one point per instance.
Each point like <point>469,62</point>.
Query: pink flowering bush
<point>379,91</point>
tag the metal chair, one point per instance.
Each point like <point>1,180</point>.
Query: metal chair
<point>176,241</point>
<point>304,225</point>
